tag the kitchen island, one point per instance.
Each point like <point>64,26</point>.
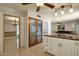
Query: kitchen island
<point>61,45</point>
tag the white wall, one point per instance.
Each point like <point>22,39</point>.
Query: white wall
<point>49,27</point>
<point>45,27</point>
<point>13,12</point>
<point>8,27</point>
<point>1,32</point>
<point>24,32</point>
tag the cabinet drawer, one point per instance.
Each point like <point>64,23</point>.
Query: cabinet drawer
<point>45,47</point>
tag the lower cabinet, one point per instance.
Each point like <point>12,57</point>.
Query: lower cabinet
<point>47,44</point>
<point>68,47</point>
<point>56,47</point>
<point>61,47</point>
<point>76,48</point>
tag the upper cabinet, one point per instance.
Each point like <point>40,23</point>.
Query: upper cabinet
<point>68,47</point>
<point>70,26</point>
<point>66,26</point>
<point>77,29</point>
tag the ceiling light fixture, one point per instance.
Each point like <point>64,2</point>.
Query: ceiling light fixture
<point>71,9</point>
<point>56,13</point>
<point>62,12</point>
<point>39,4</point>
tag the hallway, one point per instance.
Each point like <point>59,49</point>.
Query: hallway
<point>33,51</point>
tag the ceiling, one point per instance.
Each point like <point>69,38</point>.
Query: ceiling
<point>16,6</point>
<point>20,7</point>
<point>32,7</point>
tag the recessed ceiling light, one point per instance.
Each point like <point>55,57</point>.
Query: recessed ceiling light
<point>62,12</point>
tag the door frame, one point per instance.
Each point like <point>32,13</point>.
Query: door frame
<point>37,19</point>
<point>19,29</point>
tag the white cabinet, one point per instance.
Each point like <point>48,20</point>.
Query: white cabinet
<point>77,29</point>
<point>47,44</point>
<point>68,47</point>
<point>76,48</point>
<point>70,27</point>
<point>56,46</point>
<point>61,47</point>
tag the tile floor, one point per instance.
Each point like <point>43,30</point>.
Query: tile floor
<point>33,51</point>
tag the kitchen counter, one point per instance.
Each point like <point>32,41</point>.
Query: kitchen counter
<point>64,37</point>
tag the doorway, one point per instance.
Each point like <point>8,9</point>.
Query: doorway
<point>35,31</point>
<point>11,33</point>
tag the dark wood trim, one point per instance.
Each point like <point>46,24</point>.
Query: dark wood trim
<point>3,35</point>
<point>29,30</point>
<point>29,27</point>
<point>11,15</point>
<point>19,33</point>
<point>36,29</point>
<point>42,29</point>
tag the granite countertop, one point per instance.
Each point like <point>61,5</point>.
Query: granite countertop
<point>63,37</point>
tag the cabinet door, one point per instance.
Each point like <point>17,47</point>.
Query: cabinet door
<point>56,46</point>
<point>76,48</point>
<point>60,49</point>
<point>70,27</point>
<point>68,47</point>
<point>47,44</point>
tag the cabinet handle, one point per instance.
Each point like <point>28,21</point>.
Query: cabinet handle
<point>46,49</point>
<point>46,41</point>
<point>60,45</point>
<point>46,44</point>
<point>76,43</point>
